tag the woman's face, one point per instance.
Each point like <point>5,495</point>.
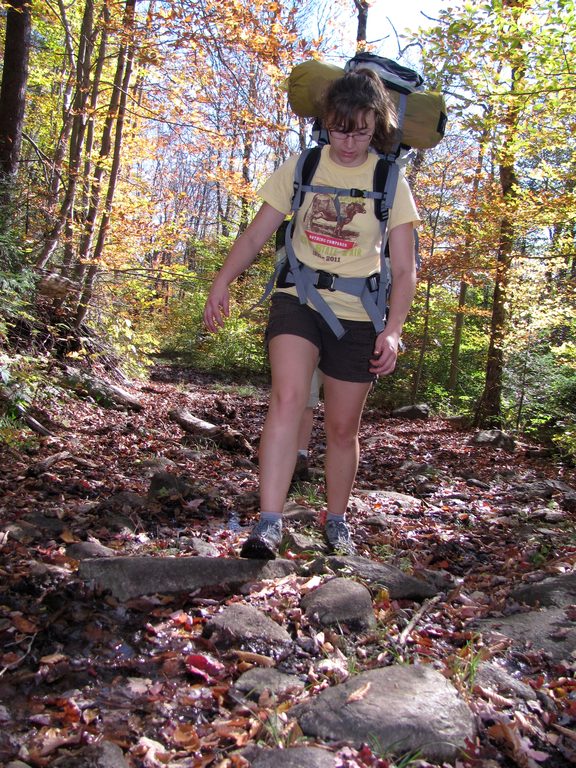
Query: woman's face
<point>350,148</point>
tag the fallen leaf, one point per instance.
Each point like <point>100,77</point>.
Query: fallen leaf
<point>53,658</point>
<point>23,624</point>
<point>186,735</point>
<point>204,666</point>
<point>254,658</point>
<point>359,693</point>
<point>569,733</point>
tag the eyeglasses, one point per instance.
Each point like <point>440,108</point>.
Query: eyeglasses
<point>357,136</point>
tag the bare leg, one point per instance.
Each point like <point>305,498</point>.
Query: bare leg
<point>343,404</point>
<point>292,360</point>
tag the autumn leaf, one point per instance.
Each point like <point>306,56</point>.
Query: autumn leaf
<point>186,735</point>
<point>203,666</point>
<point>515,745</point>
<point>23,624</point>
<point>359,693</point>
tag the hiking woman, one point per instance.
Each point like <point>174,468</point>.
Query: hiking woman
<point>341,237</point>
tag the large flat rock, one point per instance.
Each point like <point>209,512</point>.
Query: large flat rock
<point>128,577</point>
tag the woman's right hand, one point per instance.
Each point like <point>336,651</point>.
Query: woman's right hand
<point>217,306</point>
<point>245,249</point>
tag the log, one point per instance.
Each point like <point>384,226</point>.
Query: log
<point>105,394</point>
<point>43,466</point>
<point>222,435</point>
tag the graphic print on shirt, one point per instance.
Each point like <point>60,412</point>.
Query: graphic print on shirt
<point>328,225</point>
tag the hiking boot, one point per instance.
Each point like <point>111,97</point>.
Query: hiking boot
<point>337,535</point>
<point>301,470</point>
<point>264,540</point>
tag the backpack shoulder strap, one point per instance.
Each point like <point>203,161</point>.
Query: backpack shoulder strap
<point>386,173</point>
<point>304,173</point>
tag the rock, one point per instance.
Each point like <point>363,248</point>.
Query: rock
<point>124,501</point>
<point>104,754</point>
<point>400,585</point>
<point>547,630</point>
<point>120,511</point>
<point>495,438</point>
<point>23,532</point>
<point>418,469</point>
<point>340,601</point>
<point>559,591</point>
<point>199,547</point>
<point>166,486</point>
<point>292,757</point>
<point>128,577</point>
<point>294,512</point>
<point>475,483</point>
<point>298,543</point>
<point>420,411</point>
<point>51,525</point>
<point>83,550</point>
<point>395,499</point>
<point>401,708</point>
<point>17,764</point>
<point>546,489</point>
<point>256,681</point>
<point>247,628</point>
<point>492,675</point>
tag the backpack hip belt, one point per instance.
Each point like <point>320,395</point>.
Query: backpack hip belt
<point>329,280</point>
<point>309,282</point>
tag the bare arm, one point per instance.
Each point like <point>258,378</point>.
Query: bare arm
<point>242,254</point>
<point>403,267</point>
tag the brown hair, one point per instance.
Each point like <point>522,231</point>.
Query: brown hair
<point>347,99</point>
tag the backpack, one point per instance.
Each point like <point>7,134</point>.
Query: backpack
<point>421,124</point>
<point>422,114</point>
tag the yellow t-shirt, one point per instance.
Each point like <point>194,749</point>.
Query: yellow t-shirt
<point>347,245</point>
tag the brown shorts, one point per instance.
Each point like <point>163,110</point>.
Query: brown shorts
<point>346,359</point>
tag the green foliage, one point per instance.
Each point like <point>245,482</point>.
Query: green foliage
<point>12,257</point>
<point>15,291</point>
<point>13,435</point>
<point>398,389</point>
<point>565,437</point>
<point>23,378</point>
<point>239,346</point>
<point>541,394</point>
<point>127,320</point>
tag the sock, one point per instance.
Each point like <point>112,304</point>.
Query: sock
<point>332,516</point>
<point>271,516</point>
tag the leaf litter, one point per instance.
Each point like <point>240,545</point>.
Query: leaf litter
<point>77,666</point>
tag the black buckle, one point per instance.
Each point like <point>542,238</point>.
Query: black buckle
<point>357,192</point>
<point>373,282</point>
<point>325,280</point>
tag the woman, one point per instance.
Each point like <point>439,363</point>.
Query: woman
<point>340,237</point>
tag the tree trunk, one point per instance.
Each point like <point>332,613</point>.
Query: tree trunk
<point>13,91</point>
<point>117,111</point>
<point>489,408</point>
<point>459,320</point>
<point>457,340</point>
<point>79,123</point>
<point>247,153</point>
<point>362,7</point>
<point>416,382</point>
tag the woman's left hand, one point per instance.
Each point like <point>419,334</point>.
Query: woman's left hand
<point>385,354</point>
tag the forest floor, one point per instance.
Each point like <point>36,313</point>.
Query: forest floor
<point>76,665</point>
